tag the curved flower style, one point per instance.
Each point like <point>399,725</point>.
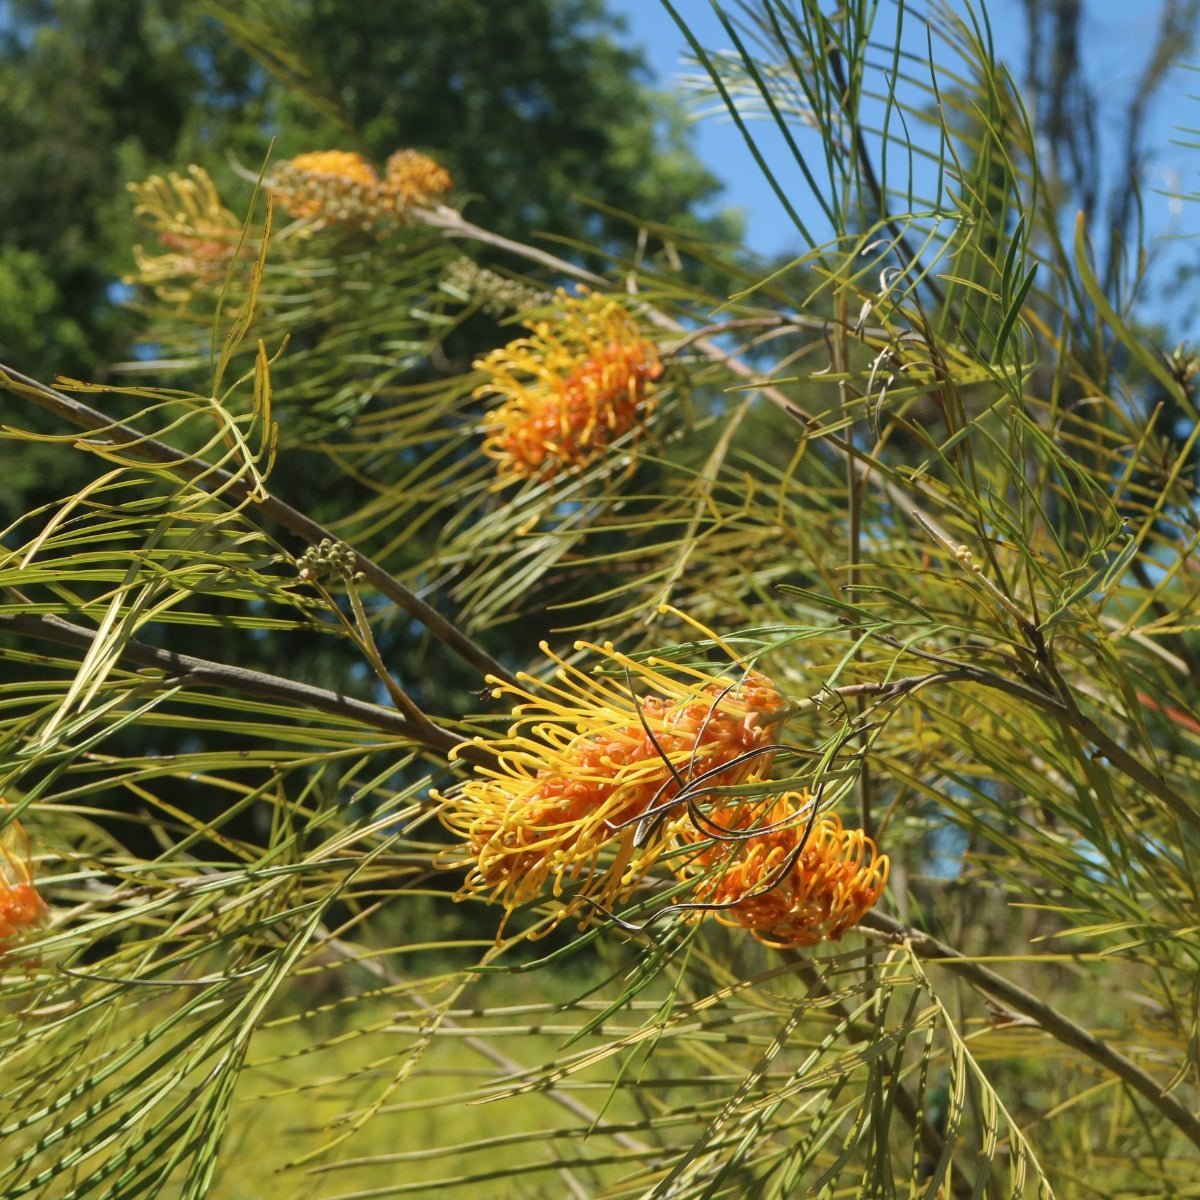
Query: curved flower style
<point>333,185</point>
<point>585,766</point>
<point>200,235</point>
<point>21,908</point>
<point>570,389</point>
<point>411,178</point>
<point>791,876</point>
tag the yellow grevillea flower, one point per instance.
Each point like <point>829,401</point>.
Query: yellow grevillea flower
<point>21,908</point>
<point>586,766</point>
<point>414,178</point>
<point>774,867</point>
<point>200,235</point>
<point>568,390</point>
<point>330,184</point>
<point>338,185</point>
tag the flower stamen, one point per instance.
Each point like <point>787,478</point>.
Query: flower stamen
<point>585,765</point>
<point>569,390</point>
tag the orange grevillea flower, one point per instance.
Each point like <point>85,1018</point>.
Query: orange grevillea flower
<point>791,876</point>
<point>199,234</point>
<point>586,769</point>
<point>330,184</point>
<point>21,908</point>
<point>413,178</point>
<point>568,390</point>
<point>338,185</point>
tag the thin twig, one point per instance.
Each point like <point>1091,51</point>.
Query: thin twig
<point>454,226</point>
<point>867,167</point>
<point>932,1140</point>
<point>1067,712</point>
<point>777,322</point>
<point>591,1119</point>
<point>214,479</point>
<point>360,630</point>
<point>202,672</point>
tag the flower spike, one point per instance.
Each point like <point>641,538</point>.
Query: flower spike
<point>197,234</point>
<point>339,185</point>
<point>584,763</point>
<point>791,875</point>
<point>569,390</point>
<point>329,185</point>
<point>414,179</point>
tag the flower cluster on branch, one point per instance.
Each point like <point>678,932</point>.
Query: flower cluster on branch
<point>197,235</point>
<point>644,766</point>
<point>326,186</point>
<point>576,384</point>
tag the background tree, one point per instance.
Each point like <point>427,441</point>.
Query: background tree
<point>95,94</point>
<point>151,86</point>
<point>532,106</point>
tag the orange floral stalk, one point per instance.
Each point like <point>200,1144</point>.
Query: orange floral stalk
<point>569,390</point>
<point>586,765</point>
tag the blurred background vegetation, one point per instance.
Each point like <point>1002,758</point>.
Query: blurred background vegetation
<point>96,95</point>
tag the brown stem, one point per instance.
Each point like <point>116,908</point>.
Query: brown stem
<point>779,322</point>
<point>214,479</point>
<point>202,672</point>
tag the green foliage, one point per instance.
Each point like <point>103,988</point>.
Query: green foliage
<point>90,93</point>
<point>907,478</point>
<point>31,304</point>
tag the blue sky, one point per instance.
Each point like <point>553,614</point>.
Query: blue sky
<point>1119,36</point>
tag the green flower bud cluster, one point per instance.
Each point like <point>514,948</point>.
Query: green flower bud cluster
<point>1185,363</point>
<point>327,560</point>
<point>495,294</point>
<point>331,198</point>
<point>330,186</point>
